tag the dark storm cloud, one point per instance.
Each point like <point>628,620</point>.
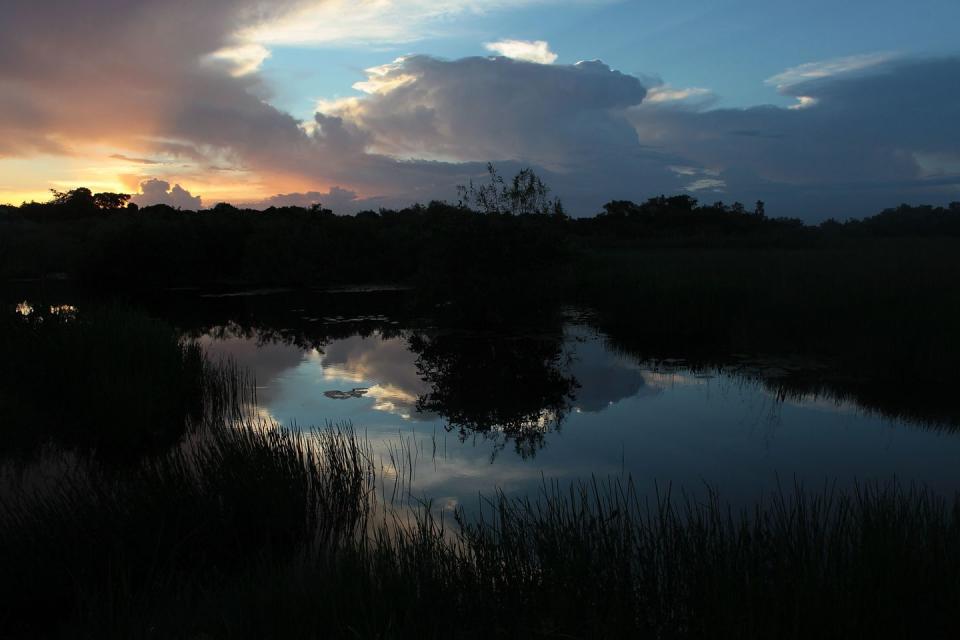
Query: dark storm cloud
<point>863,139</point>
<point>337,199</point>
<point>123,72</point>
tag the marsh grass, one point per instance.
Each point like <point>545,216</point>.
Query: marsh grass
<point>255,531</point>
<point>877,561</point>
<point>113,549</point>
<point>244,529</point>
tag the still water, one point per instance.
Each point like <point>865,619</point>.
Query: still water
<point>453,415</point>
<point>459,415</point>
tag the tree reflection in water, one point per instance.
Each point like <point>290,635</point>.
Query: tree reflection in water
<point>508,388</point>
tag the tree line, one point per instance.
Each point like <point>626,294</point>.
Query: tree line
<point>494,232</point>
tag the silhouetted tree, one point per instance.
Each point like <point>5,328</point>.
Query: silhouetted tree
<point>110,201</point>
<point>82,202</point>
<point>80,197</point>
<point>482,269</point>
<point>621,209</point>
<point>224,207</point>
<point>526,194</point>
<point>318,209</point>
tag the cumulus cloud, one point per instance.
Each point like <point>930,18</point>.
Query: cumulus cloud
<point>435,123</point>
<point>853,149</point>
<point>178,80</point>
<point>182,85</point>
<point>156,191</point>
<point>478,109</point>
<point>529,51</point>
<point>874,131</point>
<point>337,199</point>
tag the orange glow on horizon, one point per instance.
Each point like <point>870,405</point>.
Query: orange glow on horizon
<point>30,179</point>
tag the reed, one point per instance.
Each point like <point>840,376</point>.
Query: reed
<point>92,546</point>
<point>243,528</point>
<point>256,531</point>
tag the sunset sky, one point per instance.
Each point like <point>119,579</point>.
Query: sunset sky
<point>818,108</point>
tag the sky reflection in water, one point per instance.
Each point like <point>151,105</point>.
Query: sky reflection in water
<point>672,427</point>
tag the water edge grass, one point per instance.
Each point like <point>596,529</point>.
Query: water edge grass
<point>257,531</point>
<point>244,528</point>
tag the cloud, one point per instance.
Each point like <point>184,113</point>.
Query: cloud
<point>858,144</point>
<point>178,81</point>
<point>242,59</point>
<point>130,78</point>
<point>435,123</point>
<point>691,95</point>
<point>366,22</point>
<point>706,184</point>
<point>530,51</point>
<point>155,191</point>
<point>852,150</point>
<point>824,69</point>
<point>120,156</point>
<point>337,199</point>
<point>479,109</point>
<point>827,68</point>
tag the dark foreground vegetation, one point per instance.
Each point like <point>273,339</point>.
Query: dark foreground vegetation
<point>243,529</point>
<point>256,533</point>
<point>94,238</point>
<point>110,379</point>
<point>140,497</point>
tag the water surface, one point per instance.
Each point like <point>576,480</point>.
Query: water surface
<point>467,414</point>
<point>455,414</point>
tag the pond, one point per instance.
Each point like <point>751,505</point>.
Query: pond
<point>455,415</point>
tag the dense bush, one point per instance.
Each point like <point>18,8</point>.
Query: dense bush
<point>110,379</point>
<point>445,248</point>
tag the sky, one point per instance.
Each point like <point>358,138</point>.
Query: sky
<point>821,109</point>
